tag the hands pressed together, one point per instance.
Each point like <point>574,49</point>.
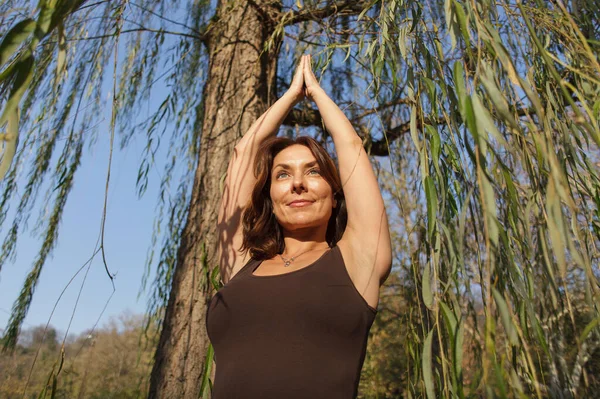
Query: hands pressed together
<point>304,84</point>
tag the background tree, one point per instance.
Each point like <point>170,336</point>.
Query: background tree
<point>486,111</point>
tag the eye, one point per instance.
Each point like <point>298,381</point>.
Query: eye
<point>314,171</point>
<point>280,174</point>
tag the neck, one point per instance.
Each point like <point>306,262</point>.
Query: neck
<point>304,240</point>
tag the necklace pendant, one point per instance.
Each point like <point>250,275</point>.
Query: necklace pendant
<point>287,263</point>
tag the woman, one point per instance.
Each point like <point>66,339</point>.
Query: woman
<point>302,260</point>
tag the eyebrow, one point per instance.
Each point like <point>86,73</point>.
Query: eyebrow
<point>287,166</point>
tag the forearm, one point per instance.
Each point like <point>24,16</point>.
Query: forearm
<point>240,180</point>
<point>268,123</point>
<point>336,122</point>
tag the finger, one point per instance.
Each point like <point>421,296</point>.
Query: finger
<point>299,75</point>
<point>300,65</point>
<point>306,65</point>
<point>309,76</point>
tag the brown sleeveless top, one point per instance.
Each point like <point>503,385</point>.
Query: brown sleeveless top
<point>302,334</point>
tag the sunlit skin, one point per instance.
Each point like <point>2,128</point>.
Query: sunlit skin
<point>296,176</point>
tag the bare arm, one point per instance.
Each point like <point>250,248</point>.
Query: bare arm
<point>367,230</point>
<point>240,179</point>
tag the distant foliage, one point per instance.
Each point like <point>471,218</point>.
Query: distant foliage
<point>111,362</point>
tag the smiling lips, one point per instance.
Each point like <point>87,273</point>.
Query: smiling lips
<point>299,203</point>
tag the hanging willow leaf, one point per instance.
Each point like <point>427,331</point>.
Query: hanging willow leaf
<point>432,204</point>
<point>10,114</point>
<point>428,366</point>
<point>556,226</point>
<point>487,78</point>
<point>485,122</point>
<point>8,143</point>
<point>588,329</point>
<point>14,38</point>
<point>47,9</point>
<point>450,22</point>
<point>426,288</point>
<point>458,354</point>
<point>459,86</point>
<point>462,19</point>
<point>450,317</point>
<point>62,53</point>
<point>505,317</point>
<point>489,201</point>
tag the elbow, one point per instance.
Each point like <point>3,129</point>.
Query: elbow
<point>383,266</point>
<point>239,149</point>
<point>383,272</point>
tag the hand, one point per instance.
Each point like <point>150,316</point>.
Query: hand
<point>311,84</point>
<point>296,90</point>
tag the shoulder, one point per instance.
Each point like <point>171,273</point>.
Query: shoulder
<point>242,268</point>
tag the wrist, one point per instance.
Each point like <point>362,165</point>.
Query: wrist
<point>291,98</point>
<point>317,93</point>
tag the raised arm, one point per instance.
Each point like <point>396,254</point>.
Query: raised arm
<point>367,232</point>
<point>240,179</point>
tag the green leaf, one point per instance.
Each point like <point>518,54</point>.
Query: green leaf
<point>364,11</point>
<point>489,201</point>
<point>458,73</point>
<point>586,331</point>
<point>435,142</point>
<point>402,41</point>
<point>62,52</point>
<point>47,9</point>
<point>506,318</point>
<point>414,133</point>
<point>485,122</point>
<point>449,13</point>
<point>10,114</point>
<point>487,78</point>
<point>450,318</point>
<point>14,38</point>
<point>205,386</point>
<point>462,21</point>
<point>432,204</point>
<point>215,278</point>
<point>458,352</point>
<point>9,141</point>
<point>426,287</point>
<point>427,366</point>
<point>556,227</point>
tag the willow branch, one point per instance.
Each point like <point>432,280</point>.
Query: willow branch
<point>303,117</point>
<point>347,7</point>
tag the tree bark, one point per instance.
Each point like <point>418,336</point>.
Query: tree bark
<point>238,90</point>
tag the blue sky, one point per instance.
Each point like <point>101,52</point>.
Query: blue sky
<point>127,237</point>
<point>127,234</point>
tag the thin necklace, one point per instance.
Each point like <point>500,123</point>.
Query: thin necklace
<point>288,261</point>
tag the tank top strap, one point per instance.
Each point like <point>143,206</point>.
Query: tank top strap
<point>246,269</point>
<point>341,274</point>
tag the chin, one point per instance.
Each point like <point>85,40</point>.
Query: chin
<point>303,224</point>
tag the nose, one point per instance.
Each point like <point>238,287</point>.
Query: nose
<point>298,183</point>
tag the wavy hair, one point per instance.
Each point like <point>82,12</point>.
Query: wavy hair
<point>263,236</point>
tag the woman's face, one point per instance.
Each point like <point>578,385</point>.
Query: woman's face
<point>301,197</point>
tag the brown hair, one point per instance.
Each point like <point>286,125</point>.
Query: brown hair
<point>262,234</point>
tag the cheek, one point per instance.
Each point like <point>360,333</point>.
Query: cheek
<point>277,192</point>
<point>325,193</point>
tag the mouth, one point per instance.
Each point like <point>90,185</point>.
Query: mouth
<point>300,203</point>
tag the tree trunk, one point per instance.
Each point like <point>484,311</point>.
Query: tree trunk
<point>237,92</point>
